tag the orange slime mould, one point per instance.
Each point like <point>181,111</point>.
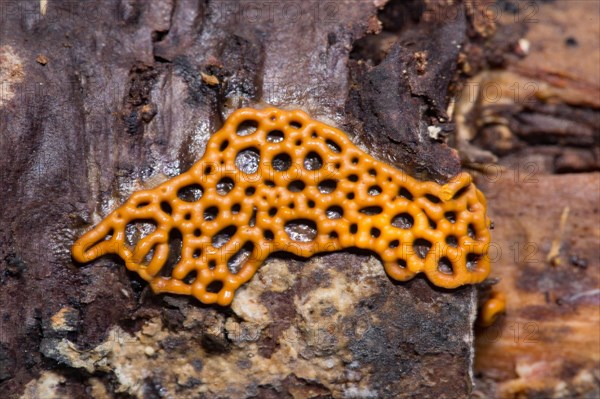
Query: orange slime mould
<point>493,307</point>
<point>274,180</point>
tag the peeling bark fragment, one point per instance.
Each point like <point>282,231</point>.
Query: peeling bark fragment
<point>390,116</point>
<point>395,101</point>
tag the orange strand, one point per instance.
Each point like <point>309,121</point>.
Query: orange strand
<point>492,308</point>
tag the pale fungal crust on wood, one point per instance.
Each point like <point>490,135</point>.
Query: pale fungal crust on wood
<point>274,180</point>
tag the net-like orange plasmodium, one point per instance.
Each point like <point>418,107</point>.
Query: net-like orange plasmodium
<point>273,180</point>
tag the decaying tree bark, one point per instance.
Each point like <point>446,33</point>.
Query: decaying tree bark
<point>103,98</point>
<point>539,117</point>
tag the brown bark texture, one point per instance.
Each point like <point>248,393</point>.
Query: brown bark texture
<point>102,98</point>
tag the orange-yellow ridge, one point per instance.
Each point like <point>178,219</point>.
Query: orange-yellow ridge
<point>274,180</point>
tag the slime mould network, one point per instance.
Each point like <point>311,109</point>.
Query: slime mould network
<point>274,180</point>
